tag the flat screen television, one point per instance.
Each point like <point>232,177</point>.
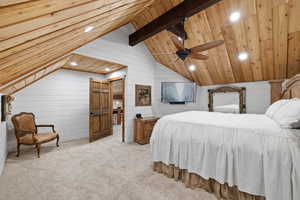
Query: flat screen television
<point>178,92</point>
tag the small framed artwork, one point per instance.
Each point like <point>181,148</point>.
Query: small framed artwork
<point>142,95</point>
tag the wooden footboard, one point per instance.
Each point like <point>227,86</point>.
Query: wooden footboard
<point>191,180</point>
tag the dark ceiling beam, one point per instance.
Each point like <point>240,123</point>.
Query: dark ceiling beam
<point>174,16</point>
<point>178,29</point>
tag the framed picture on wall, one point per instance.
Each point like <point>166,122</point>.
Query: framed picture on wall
<point>142,95</point>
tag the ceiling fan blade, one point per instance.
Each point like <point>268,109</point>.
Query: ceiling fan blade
<point>198,56</point>
<point>207,46</point>
<point>177,43</point>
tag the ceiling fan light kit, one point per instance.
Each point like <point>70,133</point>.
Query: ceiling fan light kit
<point>194,52</point>
<point>173,21</point>
<point>183,53</point>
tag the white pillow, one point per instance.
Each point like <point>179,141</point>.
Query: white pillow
<point>288,115</point>
<point>295,99</point>
<point>275,107</point>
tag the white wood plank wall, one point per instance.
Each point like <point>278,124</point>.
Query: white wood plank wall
<point>114,47</point>
<point>62,99</point>
<point>3,143</point>
<point>257,98</point>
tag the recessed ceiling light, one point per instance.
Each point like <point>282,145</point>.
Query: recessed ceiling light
<point>88,29</point>
<point>73,63</point>
<point>107,69</point>
<point>243,56</point>
<point>180,39</point>
<point>235,16</point>
<point>192,68</point>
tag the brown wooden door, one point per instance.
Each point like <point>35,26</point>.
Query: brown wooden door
<point>100,109</point>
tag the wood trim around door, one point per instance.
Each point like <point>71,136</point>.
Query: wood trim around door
<point>123,103</point>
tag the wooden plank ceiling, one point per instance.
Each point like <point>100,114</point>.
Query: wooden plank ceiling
<point>34,34</point>
<point>73,62</point>
<point>32,77</point>
<point>87,64</point>
<point>268,30</point>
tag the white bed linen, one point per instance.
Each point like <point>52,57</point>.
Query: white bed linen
<point>249,151</point>
<point>230,108</point>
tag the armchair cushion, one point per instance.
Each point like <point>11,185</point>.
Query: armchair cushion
<point>39,138</point>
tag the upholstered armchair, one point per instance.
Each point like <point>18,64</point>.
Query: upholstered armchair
<point>26,132</point>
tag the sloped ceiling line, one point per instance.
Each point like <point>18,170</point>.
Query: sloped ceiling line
<point>83,64</point>
<point>55,29</point>
<point>31,78</point>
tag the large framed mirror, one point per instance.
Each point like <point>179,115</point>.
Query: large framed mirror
<point>227,99</point>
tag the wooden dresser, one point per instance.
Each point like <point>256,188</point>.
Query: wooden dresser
<point>143,129</point>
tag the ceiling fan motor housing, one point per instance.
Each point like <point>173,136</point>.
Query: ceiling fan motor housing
<point>183,53</point>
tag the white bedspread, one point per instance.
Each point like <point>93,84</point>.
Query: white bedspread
<point>249,151</point>
<point>230,108</point>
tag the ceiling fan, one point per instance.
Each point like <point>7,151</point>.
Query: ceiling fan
<point>194,52</point>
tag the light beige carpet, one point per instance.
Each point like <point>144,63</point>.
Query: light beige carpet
<point>106,169</point>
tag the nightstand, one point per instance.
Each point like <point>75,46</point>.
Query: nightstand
<point>143,129</point>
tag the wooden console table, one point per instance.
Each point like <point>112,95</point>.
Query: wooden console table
<point>143,129</point>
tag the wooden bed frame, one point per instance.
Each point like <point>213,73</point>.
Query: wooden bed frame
<point>285,89</point>
<point>280,89</point>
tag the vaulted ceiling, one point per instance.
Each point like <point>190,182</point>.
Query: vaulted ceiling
<point>268,30</point>
<point>38,34</point>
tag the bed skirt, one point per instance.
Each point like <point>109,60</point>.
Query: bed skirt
<point>191,180</point>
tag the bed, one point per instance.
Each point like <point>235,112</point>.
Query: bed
<point>229,108</point>
<point>234,156</point>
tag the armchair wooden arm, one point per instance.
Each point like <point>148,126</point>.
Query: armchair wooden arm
<point>46,125</point>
